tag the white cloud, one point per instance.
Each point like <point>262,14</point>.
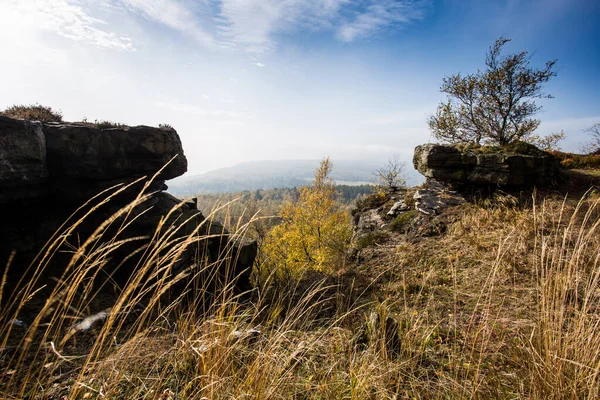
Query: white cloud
<point>251,25</point>
<point>254,23</point>
<point>260,65</point>
<point>174,14</point>
<point>67,18</point>
<point>380,14</point>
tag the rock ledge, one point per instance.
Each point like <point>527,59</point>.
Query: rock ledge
<point>449,163</point>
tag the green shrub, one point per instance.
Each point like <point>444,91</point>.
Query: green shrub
<point>401,223</point>
<point>33,112</point>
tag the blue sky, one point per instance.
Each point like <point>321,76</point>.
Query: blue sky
<point>246,80</point>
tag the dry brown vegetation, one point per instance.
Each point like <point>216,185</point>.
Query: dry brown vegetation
<point>37,112</point>
<point>34,112</point>
<point>578,161</point>
<point>505,304</point>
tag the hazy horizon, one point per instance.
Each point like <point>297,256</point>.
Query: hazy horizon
<point>297,79</point>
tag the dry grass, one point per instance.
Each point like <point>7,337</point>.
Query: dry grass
<point>504,305</point>
<point>578,161</point>
<point>34,112</point>
<point>101,124</point>
<point>37,112</point>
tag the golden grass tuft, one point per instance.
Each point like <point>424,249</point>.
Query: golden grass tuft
<point>33,112</point>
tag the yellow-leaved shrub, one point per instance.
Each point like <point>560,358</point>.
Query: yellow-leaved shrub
<point>314,233</point>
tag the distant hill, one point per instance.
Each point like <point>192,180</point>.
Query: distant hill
<point>270,174</point>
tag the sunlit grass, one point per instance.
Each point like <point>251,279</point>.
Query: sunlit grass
<point>318,339</point>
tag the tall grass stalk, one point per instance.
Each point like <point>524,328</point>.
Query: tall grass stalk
<point>564,347</point>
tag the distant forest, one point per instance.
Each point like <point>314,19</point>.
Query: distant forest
<point>238,208</point>
<point>269,174</point>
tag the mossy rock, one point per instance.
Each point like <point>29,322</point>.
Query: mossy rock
<point>522,148</point>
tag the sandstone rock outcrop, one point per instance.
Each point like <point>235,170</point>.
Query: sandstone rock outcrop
<point>82,154</point>
<point>47,171</point>
<point>23,171</point>
<point>368,221</point>
<point>450,163</point>
<point>397,208</point>
<point>435,197</point>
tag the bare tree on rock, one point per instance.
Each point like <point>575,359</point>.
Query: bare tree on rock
<point>594,144</point>
<point>391,176</point>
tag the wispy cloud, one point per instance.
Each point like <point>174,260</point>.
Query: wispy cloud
<point>378,15</point>
<point>251,25</point>
<point>70,19</point>
<point>176,15</point>
<point>255,23</point>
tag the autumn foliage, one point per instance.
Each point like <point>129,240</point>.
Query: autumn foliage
<point>314,233</point>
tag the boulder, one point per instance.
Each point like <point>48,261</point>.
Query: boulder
<point>23,172</point>
<point>74,162</point>
<point>92,159</point>
<point>57,167</point>
<point>450,163</point>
